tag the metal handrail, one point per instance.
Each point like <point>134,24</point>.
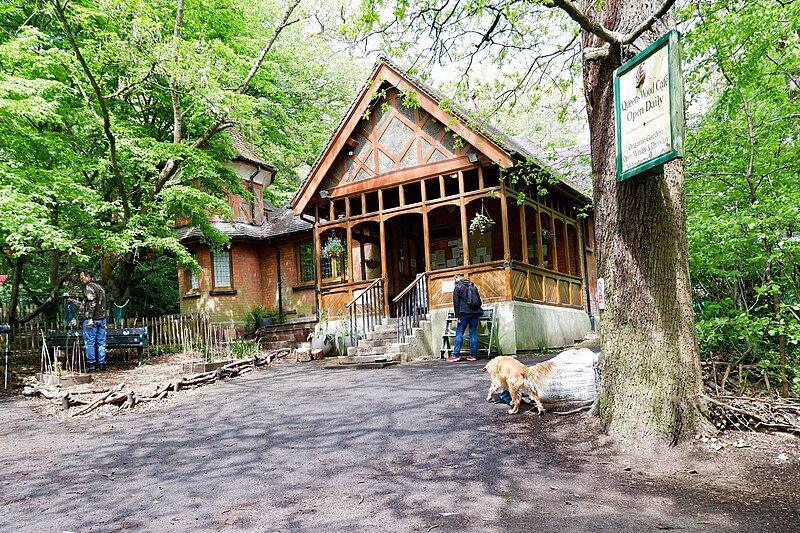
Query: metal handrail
<point>366,307</point>
<point>411,305</point>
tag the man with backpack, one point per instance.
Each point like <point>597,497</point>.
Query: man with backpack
<point>467,306</point>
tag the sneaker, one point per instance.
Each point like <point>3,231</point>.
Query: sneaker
<point>471,358</point>
<point>103,368</point>
<point>453,359</point>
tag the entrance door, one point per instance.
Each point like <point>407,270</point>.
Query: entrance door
<point>405,244</point>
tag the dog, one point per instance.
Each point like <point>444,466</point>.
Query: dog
<point>508,373</point>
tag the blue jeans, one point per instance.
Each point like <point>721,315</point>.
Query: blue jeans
<point>95,338</point>
<point>472,322</point>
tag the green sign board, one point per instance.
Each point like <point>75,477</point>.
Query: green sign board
<point>648,104</point>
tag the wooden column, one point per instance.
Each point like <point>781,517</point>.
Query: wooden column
<point>425,228</point>
<point>384,263</point>
<point>349,249</point>
<point>464,231</point>
<point>504,217</point>
<point>523,227</point>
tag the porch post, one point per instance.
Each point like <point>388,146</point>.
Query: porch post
<point>384,264</point>
<point>506,238</point>
<point>425,229</point>
<point>504,216</point>
<point>523,228</point>
<point>464,231</point>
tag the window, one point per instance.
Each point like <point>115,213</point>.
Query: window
<point>222,269</point>
<point>305,254</point>
<point>191,278</point>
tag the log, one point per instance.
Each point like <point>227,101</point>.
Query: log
<point>98,401</point>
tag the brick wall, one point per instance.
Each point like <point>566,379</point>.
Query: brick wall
<point>255,280</point>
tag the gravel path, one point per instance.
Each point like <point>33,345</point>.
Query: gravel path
<point>298,447</point>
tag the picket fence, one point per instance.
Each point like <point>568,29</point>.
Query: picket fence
<point>165,333</point>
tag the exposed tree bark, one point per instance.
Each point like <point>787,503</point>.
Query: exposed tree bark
<point>651,390</point>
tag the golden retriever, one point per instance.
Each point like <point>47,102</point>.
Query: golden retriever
<point>508,373</point>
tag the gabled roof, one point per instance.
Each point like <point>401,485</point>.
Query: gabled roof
<point>244,152</point>
<point>280,223</point>
<point>493,143</point>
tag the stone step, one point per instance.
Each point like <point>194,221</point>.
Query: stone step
<point>361,359</point>
<point>380,336</point>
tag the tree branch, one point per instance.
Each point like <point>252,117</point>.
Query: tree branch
<point>586,23</point>
<point>106,116</point>
<point>221,121</point>
<point>177,115</point>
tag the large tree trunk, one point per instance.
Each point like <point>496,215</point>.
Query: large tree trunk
<point>650,372</point>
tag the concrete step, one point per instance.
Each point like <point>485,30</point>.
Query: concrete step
<point>361,359</point>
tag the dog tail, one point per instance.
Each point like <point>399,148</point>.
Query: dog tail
<point>539,374</point>
<point>486,368</point>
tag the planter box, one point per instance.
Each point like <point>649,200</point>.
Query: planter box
<point>64,381</point>
<point>199,368</point>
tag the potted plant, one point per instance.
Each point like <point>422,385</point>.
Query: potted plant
<point>260,317</point>
<point>547,237</point>
<point>320,338</point>
<point>481,224</point>
<point>345,337</point>
<point>333,247</point>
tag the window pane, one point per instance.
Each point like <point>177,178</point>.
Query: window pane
<point>327,268</point>
<point>306,262</point>
<point>222,269</point>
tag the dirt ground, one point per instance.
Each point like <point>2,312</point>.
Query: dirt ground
<point>733,474</point>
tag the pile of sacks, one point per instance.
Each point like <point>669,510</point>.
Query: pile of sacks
<point>575,378</point>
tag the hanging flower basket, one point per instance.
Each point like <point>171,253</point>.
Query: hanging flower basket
<point>373,263</point>
<point>333,247</point>
<point>481,224</point>
<point>547,237</point>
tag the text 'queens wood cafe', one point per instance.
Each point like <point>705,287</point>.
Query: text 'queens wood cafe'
<point>410,191</point>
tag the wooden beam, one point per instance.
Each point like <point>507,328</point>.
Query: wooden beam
<point>400,177</point>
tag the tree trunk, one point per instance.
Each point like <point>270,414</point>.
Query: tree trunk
<point>650,370</point>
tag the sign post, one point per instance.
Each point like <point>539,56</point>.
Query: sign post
<point>648,103</point>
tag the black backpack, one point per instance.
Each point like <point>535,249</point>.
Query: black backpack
<point>473,298</point>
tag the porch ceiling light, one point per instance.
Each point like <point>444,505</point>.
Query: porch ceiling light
<point>472,157</point>
<point>323,194</point>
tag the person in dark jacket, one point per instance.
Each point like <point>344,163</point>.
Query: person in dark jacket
<point>94,324</point>
<point>465,316</point>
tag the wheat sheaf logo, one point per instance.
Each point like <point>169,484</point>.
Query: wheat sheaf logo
<point>640,76</point>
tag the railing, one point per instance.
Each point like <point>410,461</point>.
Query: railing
<point>411,305</point>
<point>366,307</point>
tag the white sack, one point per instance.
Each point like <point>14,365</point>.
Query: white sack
<point>574,378</point>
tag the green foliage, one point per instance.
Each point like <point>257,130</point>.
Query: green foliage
<point>92,168</point>
<point>243,348</point>
<point>743,195</point>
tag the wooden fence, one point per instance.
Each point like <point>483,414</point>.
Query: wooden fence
<point>171,332</point>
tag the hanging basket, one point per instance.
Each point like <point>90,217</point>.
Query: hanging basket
<point>481,224</point>
<point>372,263</point>
<point>333,248</point>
